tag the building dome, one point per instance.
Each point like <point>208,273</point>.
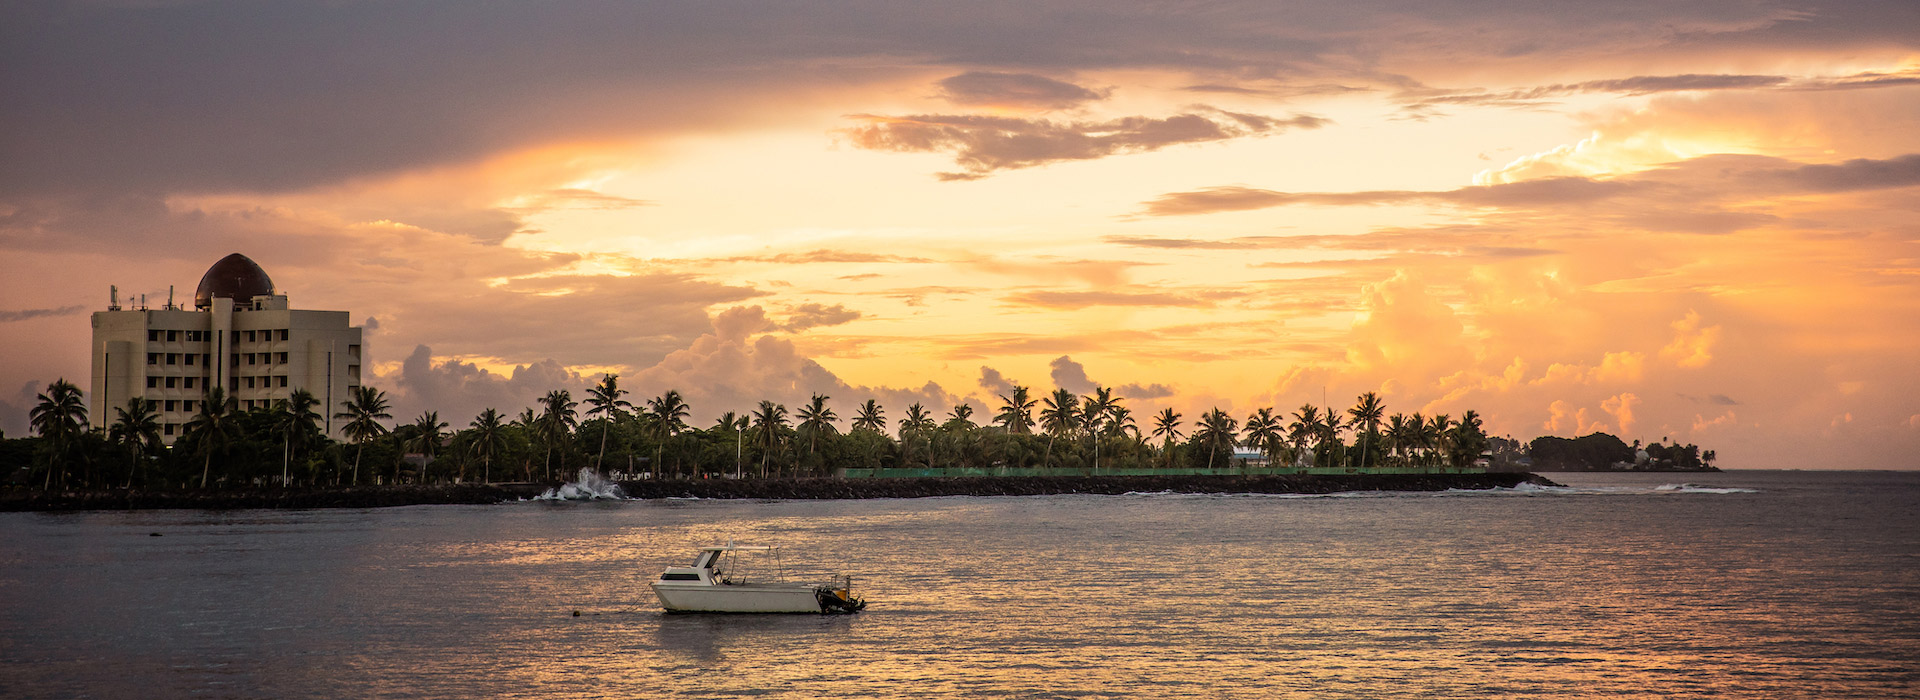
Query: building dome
<point>235,277</point>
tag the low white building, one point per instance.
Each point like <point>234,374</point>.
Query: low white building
<point>239,335</point>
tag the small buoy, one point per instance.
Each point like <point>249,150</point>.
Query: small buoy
<point>576,613</point>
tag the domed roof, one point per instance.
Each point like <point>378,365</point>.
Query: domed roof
<point>235,277</point>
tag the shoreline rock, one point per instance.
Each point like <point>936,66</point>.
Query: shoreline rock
<point>762,489</point>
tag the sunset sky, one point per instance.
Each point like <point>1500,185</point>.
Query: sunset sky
<point>1688,221</point>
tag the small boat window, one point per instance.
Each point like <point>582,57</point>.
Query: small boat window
<point>679,577</point>
<point>706,559</point>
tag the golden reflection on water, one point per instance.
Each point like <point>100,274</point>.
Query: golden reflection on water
<point>1073,596</point>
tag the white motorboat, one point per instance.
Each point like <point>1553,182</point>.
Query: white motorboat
<point>716,582</point>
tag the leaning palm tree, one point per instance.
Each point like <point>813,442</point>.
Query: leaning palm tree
<point>60,418</point>
<point>295,420</point>
<point>605,402</point>
<point>871,417</point>
<point>426,441</point>
<point>769,424</point>
<point>1016,412</point>
<point>488,439</point>
<point>363,410</point>
<point>1166,426</point>
<point>137,430</point>
<point>816,418</point>
<point>212,428</point>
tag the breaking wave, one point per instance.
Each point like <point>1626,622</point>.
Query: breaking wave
<point>589,486</point>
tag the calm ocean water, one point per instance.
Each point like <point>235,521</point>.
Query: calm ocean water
<point>1739,585</point>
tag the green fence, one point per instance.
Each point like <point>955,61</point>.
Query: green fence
<point>1222,471</point>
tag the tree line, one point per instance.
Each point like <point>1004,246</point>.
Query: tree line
<point>284,443</point>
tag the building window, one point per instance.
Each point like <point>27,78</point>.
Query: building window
<point>283,334</point>
<point>249,382</point>
<point>236,337</point>
<point>253,358</point>
<point>190,382</point>
<point>173,336</point>
<point>173,358</point>
<point>167,428</point>
<point>173,382</point>
<point>280,358</point>
<point>353,371</point>
<point>353,351</point>
<point>283,381</point>
<point>153,382</point>
<point>153,358</point>
<point>153,336</point>
<point>236,359</point>
<point>171,405</point>
<point>190,360</point>
<point>186,406</point>
<point>250,338</point>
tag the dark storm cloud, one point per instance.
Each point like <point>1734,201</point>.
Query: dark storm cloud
<point>983,144</point>
<point>1020,90</point>
<point>227,95</point>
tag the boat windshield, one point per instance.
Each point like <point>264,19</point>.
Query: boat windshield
<point>706,559</point>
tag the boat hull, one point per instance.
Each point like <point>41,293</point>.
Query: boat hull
<point>759,598</point>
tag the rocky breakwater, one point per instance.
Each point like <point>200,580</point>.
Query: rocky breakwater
<point>293,498</point>
<point>771,489</point>
<point>1047,485</point>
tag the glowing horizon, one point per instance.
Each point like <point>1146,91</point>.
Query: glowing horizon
<point>1697,224</point>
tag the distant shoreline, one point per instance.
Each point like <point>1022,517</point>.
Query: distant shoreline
<point>760,489</point>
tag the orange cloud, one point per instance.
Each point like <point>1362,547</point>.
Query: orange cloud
<point>1692,345</point>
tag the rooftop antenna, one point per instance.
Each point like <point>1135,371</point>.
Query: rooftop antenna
<point>170,297</point>
<point>143,301</point>
<point>113,298</point>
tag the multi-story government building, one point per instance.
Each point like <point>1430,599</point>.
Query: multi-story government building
<point>239,335</point>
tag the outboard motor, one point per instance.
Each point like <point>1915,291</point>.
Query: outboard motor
<point>834,600</point>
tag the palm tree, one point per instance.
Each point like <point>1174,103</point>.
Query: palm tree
<point>1167,427</point>
<point>669,417</point>
<point>363,410</point>
<point>1093,415</point>
<point>1216,430</point>
<point>60,418</point>
<point>137,430</point>
<point>426,441</point>
<point>1366,421</point>
<point>768,424</point>
<point>1264,434</point>
<point>1468,439</point>
<point>212,428</point>
<point>295,419</point>
<point>1399,436</point>
<point>1016,412</point>
<point>556,424</point>
<point>1330,427</point>
<point>960,418</point>
<point>1437,428</point>
<point>1060,417</point>
<point>1305,428</point>
<point>606,402</point>
<point>528,423</point>
<point>917,422</point>
<point>737,424</point>
<point>488,439</point>
<point>871,417</point>
<point>815,418</point>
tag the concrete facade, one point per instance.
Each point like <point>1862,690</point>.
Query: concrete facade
<point>258,348</point>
